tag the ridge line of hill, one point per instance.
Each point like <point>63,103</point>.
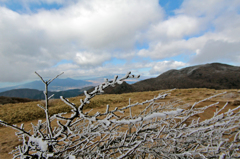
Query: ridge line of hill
<point>212,75</point>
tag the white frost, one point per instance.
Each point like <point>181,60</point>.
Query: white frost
<point>43,145</point>
<point>71,157</point>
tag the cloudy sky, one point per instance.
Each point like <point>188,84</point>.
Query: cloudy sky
<point>92,38</point>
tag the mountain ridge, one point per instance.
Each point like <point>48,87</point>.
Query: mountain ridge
<point>210,75</point>
<point>213,75</point>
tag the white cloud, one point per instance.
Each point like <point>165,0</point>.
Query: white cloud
<point>210,47</point>
<point>91,32</point>
<point>204,8</point>
<point>87,33</point>
<point>175,28</point>
<point>163,66</point>
<point>218,50</point>
<point>99,24</point>
<point>204,23</point>
<point>26,3</point>
<point>52,1</point>
<point>73,70</point>
<point>163,50</point>
<point>89,58</point>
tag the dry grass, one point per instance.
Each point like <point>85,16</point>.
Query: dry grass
<point>30,112</point>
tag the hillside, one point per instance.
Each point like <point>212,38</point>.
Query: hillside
<point>118,89</point>
<point>6,100</point>
<point>213,76</point>
<point>29,112</point>
<point>36,94</point>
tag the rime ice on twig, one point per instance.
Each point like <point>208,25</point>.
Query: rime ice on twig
<point>159,131</point>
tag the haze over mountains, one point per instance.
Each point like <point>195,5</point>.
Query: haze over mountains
<point>56,85</point>
<point>65,84</point>
<point>37,94</point>
<point>214,75</point>
<point>34,90</point>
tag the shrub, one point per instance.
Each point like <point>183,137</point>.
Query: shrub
<point>160,130</point>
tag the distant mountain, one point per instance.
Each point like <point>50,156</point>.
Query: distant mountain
<point>213,76</point>
<point>36,94</point>
<point>56,85</point>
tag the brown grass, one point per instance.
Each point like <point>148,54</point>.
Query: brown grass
<point>29,112</point>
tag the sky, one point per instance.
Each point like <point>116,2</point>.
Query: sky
<point>94,38</point>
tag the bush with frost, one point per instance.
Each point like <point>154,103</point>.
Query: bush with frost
<point>161,130</point>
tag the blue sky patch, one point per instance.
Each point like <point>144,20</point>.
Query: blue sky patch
<point>182,57</point>
<point>76,26</point>
<point>63,62</point>
<point>20,7</point>
<point>201,33</point>
<point>115,61</point>
<point>170,6</point>
<point>140,46</point>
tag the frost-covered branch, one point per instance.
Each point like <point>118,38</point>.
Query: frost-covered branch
<point>160,130</point>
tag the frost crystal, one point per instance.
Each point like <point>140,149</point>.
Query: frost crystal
<point>161,130</point>
<point>43,145</point>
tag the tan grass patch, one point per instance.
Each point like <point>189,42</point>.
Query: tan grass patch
<point>29,112</point>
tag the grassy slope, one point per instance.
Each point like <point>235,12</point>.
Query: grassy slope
<point>29,112</point>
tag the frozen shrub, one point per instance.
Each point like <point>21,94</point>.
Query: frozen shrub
<point>161,130</point>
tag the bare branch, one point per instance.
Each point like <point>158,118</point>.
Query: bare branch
<point>161,130</point>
